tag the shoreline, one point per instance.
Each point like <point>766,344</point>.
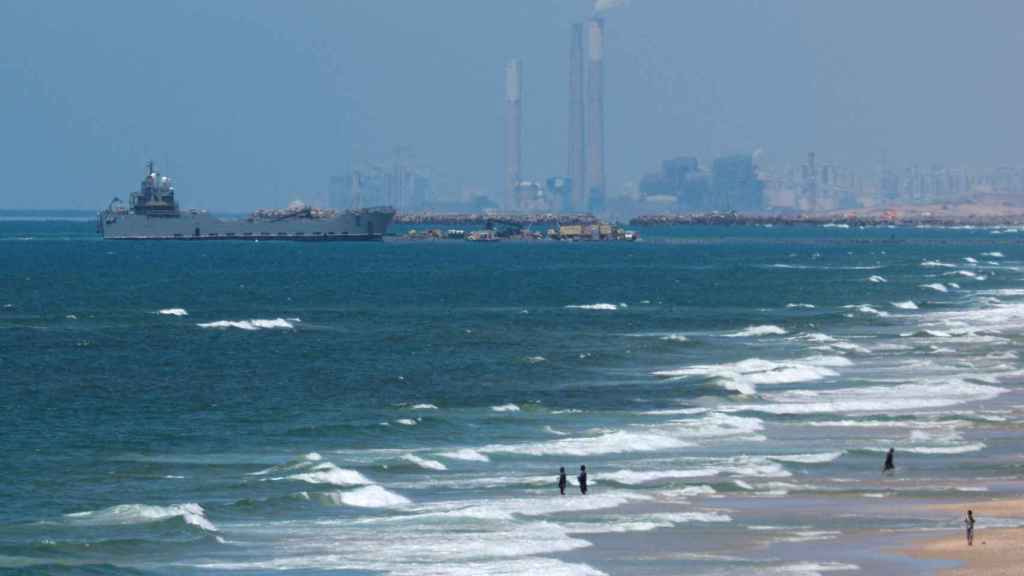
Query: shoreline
<point>998,549</point>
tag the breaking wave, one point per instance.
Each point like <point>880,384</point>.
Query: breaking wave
<point>191,513</point>
<point>908,305</point>
<point>328,473</point>
<point>822,458</point>
<point>876,399</point>
<point>173,312</point>
<point>254,324</point>
<point>465,454</point>
<point>424,462</point>
<point>746,375</point>
<point>762,330</point>
<point>610,443</point>
<point>599,306</point>
<point>367,497</point>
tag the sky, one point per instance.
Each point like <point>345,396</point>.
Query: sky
<point>256,103</point>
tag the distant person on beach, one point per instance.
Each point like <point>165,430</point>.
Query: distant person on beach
<point>583,480</point>
<point>561,480</point>
<point>969,522</point>
<point>889,467</point>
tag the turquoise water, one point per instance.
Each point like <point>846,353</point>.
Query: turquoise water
<point>403,407</point>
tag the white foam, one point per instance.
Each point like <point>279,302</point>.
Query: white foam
<point>505,509</point>
<point>993,254</point>
<point>955,449</point>
<point>927,332</point>
<point>191,513</point>
<point>173,312</point>
<point>763,330</point>
<point>935,286</point>
<point>675,412</point>
<point>866,309</point>
<point>877,279</point>
<point>675,338</point>
<point>814,337</point>
<point>799,305</point>
<point>439,556</point>
<point>536,359</point>
<point>964,273</point>
<point>743,466</point>
<point>937,264</point>
<point>254,324</point>
<point>599,306</point>
<point>423,407</point>
<point>713,425</point>
<point>465,454</point>
<point>424,462</point>
<point>609,443</point>
<point>970,260</point>
<point>746,375</point>
<point>810,568</point>
<point>367,497</point>
<point>688,492</point>
<point>328,473</point>
<point>820,458</point>
<point>908,305</point>
<point>953,285</point>
<point>644,522</point>
<point>937,394</point>
<point>406,422</point>
<point>506,408</point>
<point>848,347</point>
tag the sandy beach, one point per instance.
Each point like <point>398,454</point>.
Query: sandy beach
<point>996,551</point>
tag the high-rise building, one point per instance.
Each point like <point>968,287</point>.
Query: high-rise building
<point>735,184</point>
<point>513,130</point>
<point>595,115</point>
<point>577,156</point>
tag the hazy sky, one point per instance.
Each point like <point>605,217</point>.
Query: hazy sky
<point>255,103</point>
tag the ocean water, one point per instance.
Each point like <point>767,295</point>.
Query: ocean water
<point>403,407</point>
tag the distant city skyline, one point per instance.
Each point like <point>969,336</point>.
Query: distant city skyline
<point>254,104</point>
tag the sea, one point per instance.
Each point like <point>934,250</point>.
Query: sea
<point>403,407</point>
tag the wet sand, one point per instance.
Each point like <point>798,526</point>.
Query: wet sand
<point>996,551</point>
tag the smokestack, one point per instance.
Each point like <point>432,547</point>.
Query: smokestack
<point>595,115</point>
<point>513,130</point>
<point>577,168</point>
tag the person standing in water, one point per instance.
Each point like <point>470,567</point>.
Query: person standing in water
<point>583,480</point>
<point>561,480</point>
<point>969,522</point>
<point>889,467</point>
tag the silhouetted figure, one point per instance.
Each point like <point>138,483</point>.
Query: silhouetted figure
<point>969,522</point>
<point>583,480</point>
<point>561,480</point>
<point>889,467</point>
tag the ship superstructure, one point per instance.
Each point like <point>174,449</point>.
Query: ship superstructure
<point>152,213</point>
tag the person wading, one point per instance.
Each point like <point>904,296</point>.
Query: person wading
<point>969,523</point>
<point>583,480</point>
<point>889,467</point>
<point>561,480</point>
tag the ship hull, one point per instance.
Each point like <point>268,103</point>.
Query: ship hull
<point>354,225</point>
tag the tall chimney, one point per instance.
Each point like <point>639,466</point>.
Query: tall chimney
<point>595,116</point>
<point>577,168</point>
<point>513,130</point>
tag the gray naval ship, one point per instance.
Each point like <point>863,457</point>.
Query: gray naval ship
<point>153,214</point>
